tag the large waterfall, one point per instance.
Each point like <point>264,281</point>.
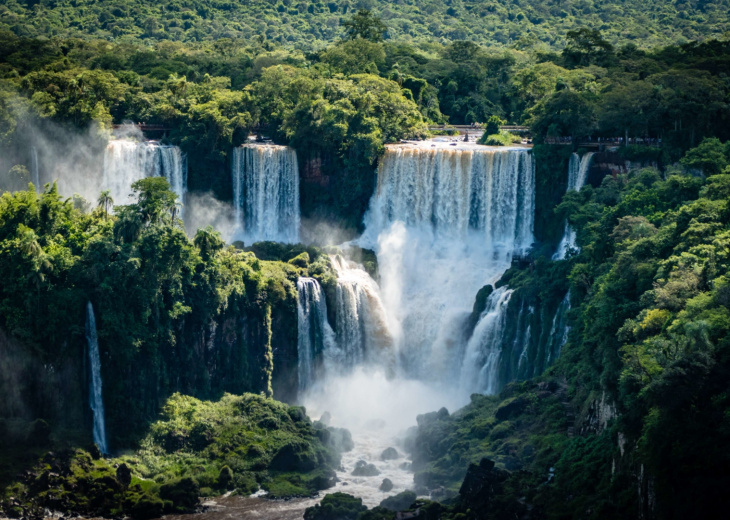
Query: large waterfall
<point>266,192</point>
<point>577,175</point>
<point>95,399</point>
<point>444,222</point>
<point>126,162</point>
<point>315,338</point>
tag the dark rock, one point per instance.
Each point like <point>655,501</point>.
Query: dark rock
<point>511,409</point>
<point>225,478</point>
<point>340,439</point>
<point>399,502</point>
<point>325,480</point>
<point>481,484</point>
<point>124,475</point>
<point>389,454</point>
<point>95,452</point>
<point>387,485</point>
<point>429,418</point>
<point>363,469</point>
<point>406,466</point>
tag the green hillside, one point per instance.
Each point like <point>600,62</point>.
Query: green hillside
<point>312,24</point>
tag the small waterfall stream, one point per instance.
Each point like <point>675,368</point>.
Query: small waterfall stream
<point>35,177</point>
<point>95,398</point>
<point>577,175</point>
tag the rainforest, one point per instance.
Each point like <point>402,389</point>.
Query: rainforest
<point>364,260</point>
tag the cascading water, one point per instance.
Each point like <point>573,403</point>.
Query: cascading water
<point>35,177</point>
<point>266,192</point>
<point>315,337</point>
<point>558,331</point>
<point>126,162</point>
<point>363,334</point>
<point>443,222</point>
<point>480,368</point>
<point>577,175</point>
<point>95,399</point>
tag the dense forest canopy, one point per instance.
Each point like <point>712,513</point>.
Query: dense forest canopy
<point>311,25</point>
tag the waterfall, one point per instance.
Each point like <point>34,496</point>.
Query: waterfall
<point>444,222</point>
<point>559,330</point>
<point>95,400</point>
<point>266,192</point>
<point>577,175</point>
<point>315,337</point>
<point>126,162</point>
<point>35,177</point>
<point>480,368</point>
<point>363,334</point>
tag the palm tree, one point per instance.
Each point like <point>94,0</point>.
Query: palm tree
<point>105,201</point>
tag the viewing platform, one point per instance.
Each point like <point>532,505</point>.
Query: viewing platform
<point>468,129</point>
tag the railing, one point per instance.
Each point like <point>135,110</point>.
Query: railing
<point>598,142</point>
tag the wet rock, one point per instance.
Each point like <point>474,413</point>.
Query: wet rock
<point>387,485</point>
<point>124,475</point>
<point>428,418</point>
<point>363,469</point>
<point>389,454</point>
<point>406,466</point>
<point>481,484</point>
<point>399,502</point>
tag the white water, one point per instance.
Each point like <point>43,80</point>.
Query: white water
<point>266,192</point>
<point>577,175</point>
<point>95,398</point>
<point>444,222</point>
<point>315,337</point>
<point>480,368</point>
<point>558,331</point>
<point>126,162</point>
<point>35,177</point>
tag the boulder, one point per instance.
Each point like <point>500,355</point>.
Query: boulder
<point>389,454</point>
<point>363,469</point>
<point>387,485</point>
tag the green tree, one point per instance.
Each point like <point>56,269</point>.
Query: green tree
<point>364,24</point>
<point>105,202</point>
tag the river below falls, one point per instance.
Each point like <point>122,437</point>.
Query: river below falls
<point>369,445</point>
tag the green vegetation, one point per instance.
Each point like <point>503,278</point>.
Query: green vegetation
<point>157,296</point>
<point>197,448</point>
<point>312,24</point>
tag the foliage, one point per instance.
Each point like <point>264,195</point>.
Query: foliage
<point>313,24</point>
<point>234,444</point>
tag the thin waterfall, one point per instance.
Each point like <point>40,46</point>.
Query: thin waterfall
<point>95,399</point>
<point>480,368</point>
<point>126,162</point>
<point>559,330</point>
<point>35,177</point>
<point>315,337</point>
<point>266,192</point>
<point>577,175</point>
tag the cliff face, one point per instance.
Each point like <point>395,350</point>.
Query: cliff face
<point>34,388</point>
<point>240,350</point>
